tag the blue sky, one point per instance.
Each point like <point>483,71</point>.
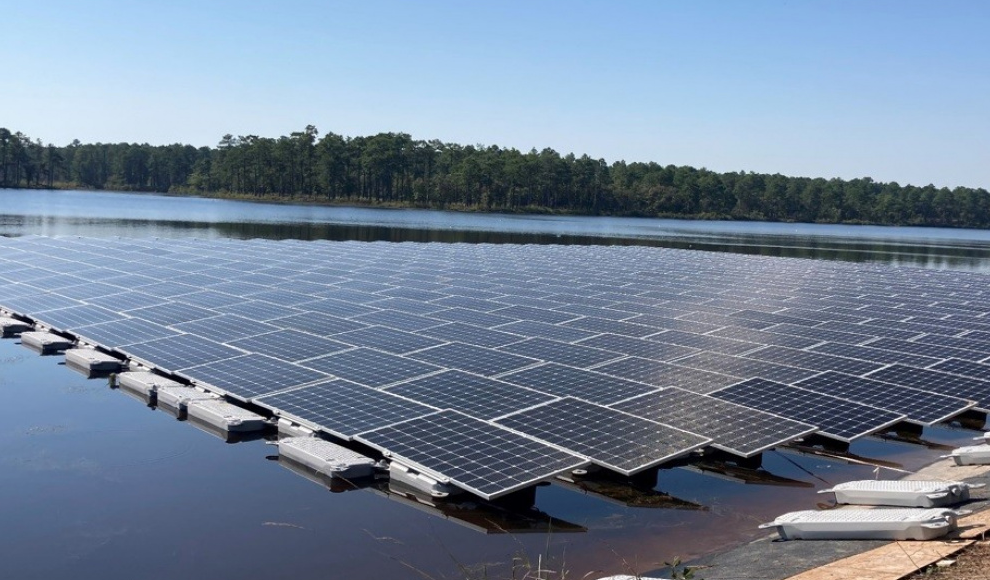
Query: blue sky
<point>895,90</point>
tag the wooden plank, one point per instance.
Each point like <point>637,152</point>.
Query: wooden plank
<point>899,559</point>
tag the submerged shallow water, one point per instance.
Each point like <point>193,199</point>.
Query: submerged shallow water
<point>97,485</point>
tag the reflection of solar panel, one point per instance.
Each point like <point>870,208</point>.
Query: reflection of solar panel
<point>609,438</point>
<point>734,428</point>
<point>838,418</point>
<point>472,454</point>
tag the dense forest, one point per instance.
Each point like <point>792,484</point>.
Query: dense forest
<point>393,169</point>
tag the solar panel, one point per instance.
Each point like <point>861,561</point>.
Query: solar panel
<point>178,352</point>
<point>743,367</point>
<point>171,313</point>
<point>923,407</point>
<point>942,382</point>
<point>560,352</point>
<point>370,367</point>
<point>929,350</point>
<point>474,359</point>
<point>485,319</point>
<point>332,307</point>
<point>878,355</point>
<point>209,299</point>
<point>609,438</point>
<point>342,408</point>
<point>479,397</point>
<point>704,342</point>
<point>259,310</point>
<point>290,345</point>
<point>476,335</point>
<point>533,329</point>
<point>965,368</point>
<point>564,381</point>
<point>121,332</point>
<point>399,320</point>
<point>667,375</point>
<point>603,325</point>
<point>837,418</point>
<point>316,323</point>
<point>733,428</point>
<point>627,345</point>
<point>36,303</point>
<point>75,316</point>
<point>251,375</point>
<point>479,457</point>
<point>89,290</point>
<point>812,360</point>
<point>126,301</point>
<point>388,339</point>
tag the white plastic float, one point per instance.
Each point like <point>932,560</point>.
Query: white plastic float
<point>971,455</point>
<point>45,342</point>
<point>865,524</point>
<point>225,416</point>
<point>11,326</point>
<point>144,382</point>
<point>902,493</point>
<point>326,457</point>
<point>91,360</point>
<point>179,397</point>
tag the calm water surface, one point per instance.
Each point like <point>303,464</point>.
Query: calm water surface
<point>97,485</point>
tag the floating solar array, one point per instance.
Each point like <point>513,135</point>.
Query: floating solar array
<point>493,367</point>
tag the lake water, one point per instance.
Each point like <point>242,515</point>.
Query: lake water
<point>97,485</point>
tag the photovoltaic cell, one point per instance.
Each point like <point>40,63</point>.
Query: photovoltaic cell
<point>178,352</point>
<point>837,418</point>
<point>941,382</point>
<point>290,345</point>
<point>564,381</point>
<point>117,333</point>
<point>342,408</point>
<point>609,438</point>
<point>733,428</point>
<point>924,407</point>
<point>667,375</point>
<point>474,359</point>
<point>474,455</point>
<point>479,397</point>
<point>370,367</point>
<point>252,375</point>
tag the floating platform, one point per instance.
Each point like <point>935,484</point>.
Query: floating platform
<point>225,416</point>
<point>327,458</point>
<point>420,481</point>
<point>12,326</point>
<point>971,455</point>
<point>144,382</point>
<point>287,428</point>
<point>865,524</point>
<point>90,360</point>
<point>178,398</point>
<point>902,493</point>
<point>45,342</point>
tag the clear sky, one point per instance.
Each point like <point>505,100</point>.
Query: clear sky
<point>896,90</point>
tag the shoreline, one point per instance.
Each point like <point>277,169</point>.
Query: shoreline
<point>768,559</point>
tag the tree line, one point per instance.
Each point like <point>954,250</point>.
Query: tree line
<point>393,169</point>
